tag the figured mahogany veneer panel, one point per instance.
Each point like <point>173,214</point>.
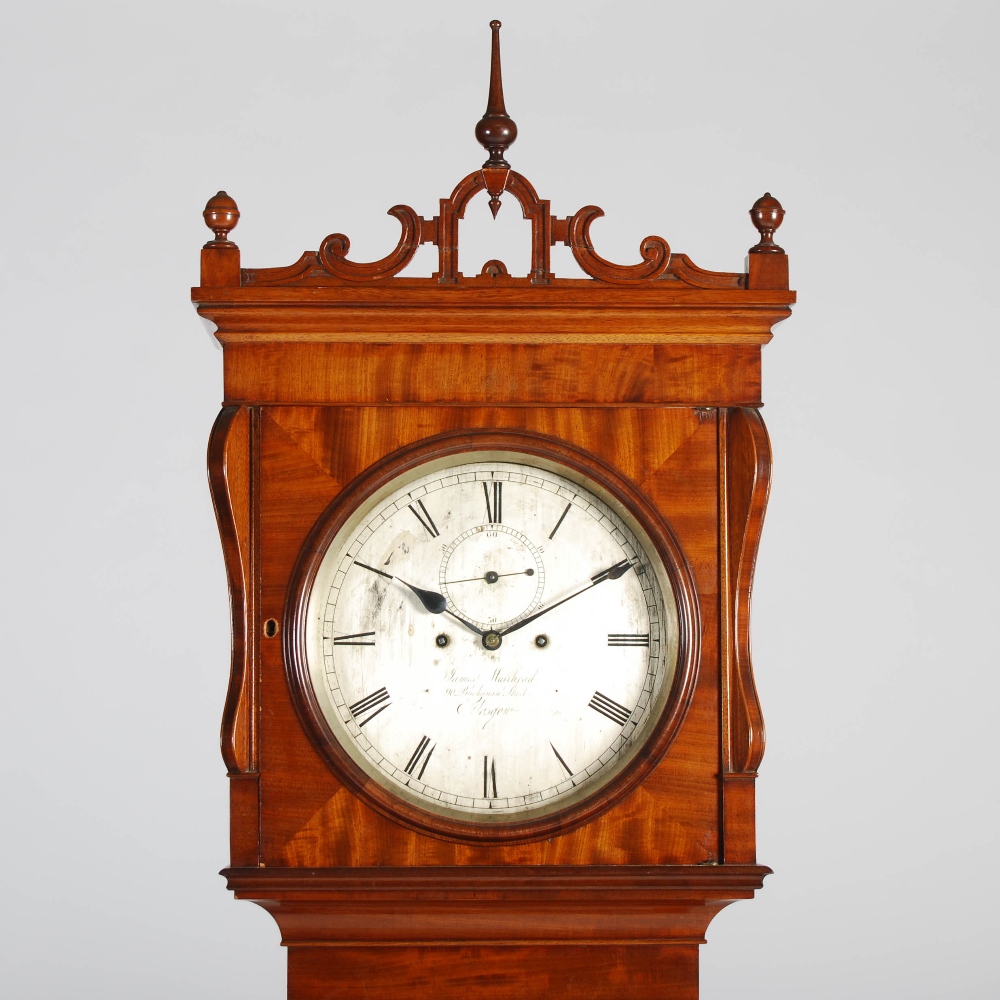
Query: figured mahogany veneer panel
<point>594,972</point>
<point>505,374</point>
<point>307,455</point>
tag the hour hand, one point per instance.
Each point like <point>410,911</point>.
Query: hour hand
<point>436,604</point>
<point>433,602</point>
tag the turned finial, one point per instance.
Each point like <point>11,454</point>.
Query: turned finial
<point>221,215</point>
<point>496,130</point>
<point>766,216</point>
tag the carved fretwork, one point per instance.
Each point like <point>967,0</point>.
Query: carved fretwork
<point>496,131</point>
<point>331,266</point>
<point>332,256</point>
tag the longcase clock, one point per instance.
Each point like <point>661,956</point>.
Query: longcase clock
<point>491,723</point>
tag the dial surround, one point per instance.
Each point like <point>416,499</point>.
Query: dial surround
<point>485,641</point>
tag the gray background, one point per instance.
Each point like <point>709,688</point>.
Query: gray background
<point>874,123</point>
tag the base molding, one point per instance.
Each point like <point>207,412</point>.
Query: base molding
<point>506,932</point>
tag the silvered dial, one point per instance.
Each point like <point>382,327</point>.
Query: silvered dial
<point>491,639</point>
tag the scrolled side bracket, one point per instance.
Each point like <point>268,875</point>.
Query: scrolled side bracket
<point>229,476</point>
<point>748,455</point>
<point>655,251</point>
<point>334,249</point>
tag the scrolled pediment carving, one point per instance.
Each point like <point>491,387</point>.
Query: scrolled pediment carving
<point>496,131</point>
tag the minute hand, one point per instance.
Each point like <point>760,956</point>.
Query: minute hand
<point>612,573</point>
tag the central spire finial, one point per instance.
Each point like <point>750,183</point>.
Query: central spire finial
<point>496,130</point>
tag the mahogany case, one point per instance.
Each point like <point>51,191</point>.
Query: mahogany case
<point>651,370</point>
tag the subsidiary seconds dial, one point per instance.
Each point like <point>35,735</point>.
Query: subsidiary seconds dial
<point>491,638</point>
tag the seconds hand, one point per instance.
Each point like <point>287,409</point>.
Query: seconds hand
<point>491,577</point>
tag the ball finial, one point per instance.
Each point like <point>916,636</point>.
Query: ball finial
<point>221,215</point>
<point>766,216</point>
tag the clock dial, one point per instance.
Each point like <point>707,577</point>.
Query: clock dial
<point>491,638</point>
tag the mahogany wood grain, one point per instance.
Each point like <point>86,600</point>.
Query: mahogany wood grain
<point>524,444</point>
<point>504,933</point>
<point>330,266</point>
<point>744,481</point>
<point>768,271</point>
<point>308,456</point>
<point>244,822</point>
<point>229,463</point>
<point>221,216</point>
<point>739,821</point>
<point>766,215</point>
<point>309,271</point>
<point>334,249</point>
<point>651,372</point>
<point>496,130</point>
<point>496,972</point>
<point>477,311</point>
<point>484,904</point>
<point>220,265</point>
<point>497,373</point>
<point>231,454</point>
<point>654,250</point>
<point>748,478</point>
